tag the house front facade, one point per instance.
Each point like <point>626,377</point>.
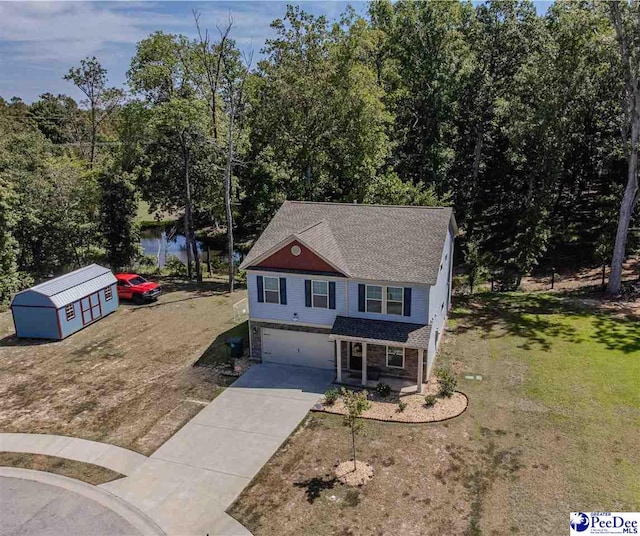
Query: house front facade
<point>360,289</point>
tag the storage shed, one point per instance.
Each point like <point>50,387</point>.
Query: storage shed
<point>57,308</point>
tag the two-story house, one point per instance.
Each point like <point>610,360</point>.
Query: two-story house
<point>368,283</point>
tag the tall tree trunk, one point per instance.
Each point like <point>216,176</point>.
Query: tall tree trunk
<point>227,196</point>
<point>187,206</point>
<point>630,132</point>
<point>626,212</point>
<point>94,130</point>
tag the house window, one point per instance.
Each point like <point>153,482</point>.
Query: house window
<point>395,296</point>
<point>320,294</point>
<point>70,311</point>
<point>107,294</point>
<point>395,357</point>
<point>374,299</point>
<point>272,290</point>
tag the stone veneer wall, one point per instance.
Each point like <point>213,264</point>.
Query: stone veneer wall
<point>256,338</point>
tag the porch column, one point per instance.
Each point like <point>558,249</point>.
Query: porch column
<point>338,361</point>
<point>364,364</point>
<point>420,369</point>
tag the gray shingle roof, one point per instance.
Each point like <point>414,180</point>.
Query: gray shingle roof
<point>70,287</point>
<point>375,242</point>
<point>382,331</point>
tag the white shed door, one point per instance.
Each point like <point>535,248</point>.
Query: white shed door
<point>297,348</point>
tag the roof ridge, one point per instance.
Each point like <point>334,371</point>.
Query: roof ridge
<point>372,205</point>
<point>62,276</point>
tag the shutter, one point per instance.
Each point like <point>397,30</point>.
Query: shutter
<point>307,293</point>
<point>361,291</point>
<point>332,294</point>
<point>407,301</point>
<point>283,290</point>
<point>260,288</point>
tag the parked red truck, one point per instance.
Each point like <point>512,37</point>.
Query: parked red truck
<point>136,288</point>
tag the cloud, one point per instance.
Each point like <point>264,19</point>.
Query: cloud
<point>40,41</point>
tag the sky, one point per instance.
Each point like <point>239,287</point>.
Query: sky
<point>40,41</point>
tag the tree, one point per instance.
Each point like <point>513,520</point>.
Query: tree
<point>10,281</point>
<point>625,17</point>
<point>117,216</point>
<point>356,403</point>
<point>223,73</point>
<point>175,133</point>
<point>474,262</point>
<point>91,79</point>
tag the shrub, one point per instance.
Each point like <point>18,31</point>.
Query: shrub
<point>175,266</point>
<point>430,400</point>
<point>402,405</point>
<point>383,389</point>
<point>330,396</point>
<point>447,380</point>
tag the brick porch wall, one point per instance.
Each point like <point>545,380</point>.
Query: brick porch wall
<point>256,338</point>
<point>377,357</point>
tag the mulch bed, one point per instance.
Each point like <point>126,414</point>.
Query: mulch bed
<point>416,411</point>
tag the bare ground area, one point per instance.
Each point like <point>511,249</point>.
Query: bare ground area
<point>126,380</point>
<point>541,436</point>
<point>87,472</point>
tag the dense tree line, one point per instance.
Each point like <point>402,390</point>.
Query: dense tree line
<point>526,123</point>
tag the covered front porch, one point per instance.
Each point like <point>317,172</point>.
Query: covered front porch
<point>370,351</point>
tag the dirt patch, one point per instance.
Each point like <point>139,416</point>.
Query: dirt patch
<point>87,472</point>
<point>127,380</point>
<point>415,410</point>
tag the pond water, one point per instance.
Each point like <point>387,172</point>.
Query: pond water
<point>162,245</point>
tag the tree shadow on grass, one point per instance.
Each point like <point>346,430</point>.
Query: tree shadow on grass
<point>617,333</point>
<point>516,314</point>
<point>524,315</point>
<point>315,486</point>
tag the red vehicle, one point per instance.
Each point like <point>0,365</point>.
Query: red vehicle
<point>136,288</point>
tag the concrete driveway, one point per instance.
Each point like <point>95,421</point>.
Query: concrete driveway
<point>188,483</point>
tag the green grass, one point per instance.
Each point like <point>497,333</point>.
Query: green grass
<point>581,364</point>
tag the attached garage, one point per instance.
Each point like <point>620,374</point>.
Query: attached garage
<point>297,348</point>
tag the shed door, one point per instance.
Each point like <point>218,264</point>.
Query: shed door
<point>297,348</point>
<point>91,309</point>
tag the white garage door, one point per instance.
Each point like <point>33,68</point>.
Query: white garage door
<point>297,348</point>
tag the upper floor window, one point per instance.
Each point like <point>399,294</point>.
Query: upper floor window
<point>395,300</point>
<point>320,294</point>
<point>272,290</point>
<point>374,299</point>
<point>70,311</point>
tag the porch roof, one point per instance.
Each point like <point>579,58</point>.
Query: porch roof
<point>381,332</point>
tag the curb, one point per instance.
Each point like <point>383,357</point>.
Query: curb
<point>127,511</point>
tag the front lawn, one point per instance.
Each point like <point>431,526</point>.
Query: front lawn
<point>128,379</point>
<point>552,427</point>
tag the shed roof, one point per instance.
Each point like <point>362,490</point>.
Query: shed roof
<point>376,242</point>
<point>67,288</point>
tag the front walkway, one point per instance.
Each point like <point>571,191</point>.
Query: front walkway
<point>189,482</point>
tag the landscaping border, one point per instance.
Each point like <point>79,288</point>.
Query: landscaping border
<point>316,410</point>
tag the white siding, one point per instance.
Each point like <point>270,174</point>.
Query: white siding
<point>438,298</point>
<point>295,302</point>
<point>419,303</point>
